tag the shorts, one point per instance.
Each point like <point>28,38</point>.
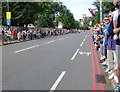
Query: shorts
<point>9,37</point>
<point>110,59</point>
<point>101,49</point>
<point>117,54</point>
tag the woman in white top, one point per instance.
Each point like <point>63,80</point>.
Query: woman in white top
<point>19,36</point>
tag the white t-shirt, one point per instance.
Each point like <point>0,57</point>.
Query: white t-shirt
<point>9,33</point>
<point>116,14</point>
<point>115,17</point>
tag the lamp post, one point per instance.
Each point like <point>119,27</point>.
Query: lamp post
<point>8,15</point>
<point>100,10</point>
<point>7,5</point>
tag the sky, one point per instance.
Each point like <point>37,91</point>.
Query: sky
<point>79,7</point>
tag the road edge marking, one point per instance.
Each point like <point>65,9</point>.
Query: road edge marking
<point>93,67</point>
<point>101,86</point>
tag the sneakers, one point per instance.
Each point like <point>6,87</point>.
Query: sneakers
<point>110,72</point>
<point>117,88</point>
<point>111,76</point>
<point>101,61</point>
<point>104,63</point>
<point>116,79</point>
<point>101,58</point>
<point>104,57</point>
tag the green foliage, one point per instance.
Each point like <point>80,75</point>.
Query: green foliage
<point>106,8</point>
<point>41,14</point>
<point>84,27</point>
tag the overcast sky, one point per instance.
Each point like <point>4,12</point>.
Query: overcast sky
<point>79,7</point>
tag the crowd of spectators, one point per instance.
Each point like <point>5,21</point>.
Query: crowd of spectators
<point>29,32</point>
<point>106,37</point>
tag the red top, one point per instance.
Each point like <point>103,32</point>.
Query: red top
<point>13,32</point>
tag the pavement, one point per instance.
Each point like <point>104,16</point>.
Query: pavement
<point>67,62</point>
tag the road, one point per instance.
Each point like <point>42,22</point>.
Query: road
<point>67,62</point>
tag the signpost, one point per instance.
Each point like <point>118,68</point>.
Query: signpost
<point>8,18</point>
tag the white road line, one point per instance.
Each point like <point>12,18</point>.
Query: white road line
<point>82,44</point>
<point>50,41</point>
<point>75,54</point>
<point>26,49</point>
<point>57,81</point>
<point>84,40</point>
<point>61,38</point>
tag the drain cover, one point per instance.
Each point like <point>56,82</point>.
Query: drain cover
<point>100,78</point>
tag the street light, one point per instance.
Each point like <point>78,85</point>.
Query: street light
<point>8,14</point>
<point>100,10</point>
<point>7,5</point>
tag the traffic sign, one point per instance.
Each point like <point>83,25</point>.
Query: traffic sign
<point>8,15</point>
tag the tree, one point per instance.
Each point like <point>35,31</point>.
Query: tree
<point>41,14</point>
<point>106,8</point>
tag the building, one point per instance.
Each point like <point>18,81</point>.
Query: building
<point>85,20</point>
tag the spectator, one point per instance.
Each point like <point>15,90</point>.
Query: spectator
<point>111,54</point>
<point>9,35</point>
<point>19,36</point>
<point>105,41</point>
<point>13,34</point>
<point>3,35</point>
<point>116,22</point>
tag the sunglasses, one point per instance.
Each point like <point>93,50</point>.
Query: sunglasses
<point>106,19</point>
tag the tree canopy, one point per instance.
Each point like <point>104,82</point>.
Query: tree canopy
<point>106,8</point>
<point>41,14</point>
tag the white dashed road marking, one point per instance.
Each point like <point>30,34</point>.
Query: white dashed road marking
<point>26,49</point>
<point>82,44</point>
<point>61,38</point>
<point>50,42</point>
<point>73,57</point>
<point>57,81</point>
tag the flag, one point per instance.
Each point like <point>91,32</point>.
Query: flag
<point>91,11</point>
